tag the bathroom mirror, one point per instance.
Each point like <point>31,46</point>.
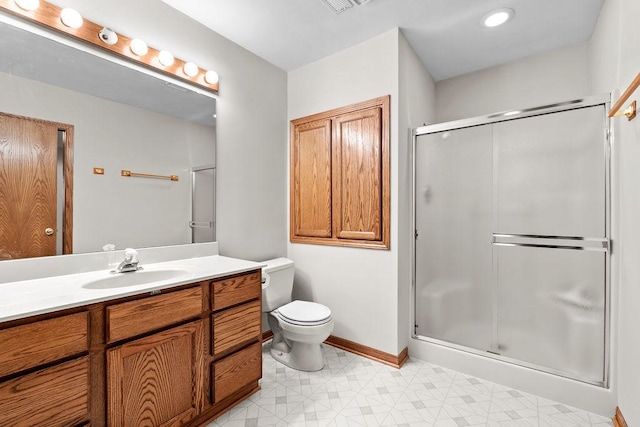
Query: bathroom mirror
<point>123,118</point>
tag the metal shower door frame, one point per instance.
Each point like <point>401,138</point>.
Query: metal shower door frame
<point>603,245</point>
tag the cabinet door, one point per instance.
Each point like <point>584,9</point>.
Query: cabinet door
<point>311,179</point>
<point>157,380</point>
<point>357,188</point>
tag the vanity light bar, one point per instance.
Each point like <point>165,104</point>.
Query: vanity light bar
<point>50,16</point>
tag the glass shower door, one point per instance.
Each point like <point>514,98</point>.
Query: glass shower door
<point>203,204</point>
<point>512,237</point>
<point>550,241</point>
<point>453,257</point>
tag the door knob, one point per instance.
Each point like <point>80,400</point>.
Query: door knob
<point>48,231</point>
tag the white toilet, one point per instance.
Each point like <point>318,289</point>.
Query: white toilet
<point>299,327</point>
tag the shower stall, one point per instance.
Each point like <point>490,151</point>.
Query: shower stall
<point>512,229</point>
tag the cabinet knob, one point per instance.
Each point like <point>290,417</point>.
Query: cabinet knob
<point>48,231</point>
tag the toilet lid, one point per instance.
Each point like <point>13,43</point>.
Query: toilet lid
<point>304,312</point>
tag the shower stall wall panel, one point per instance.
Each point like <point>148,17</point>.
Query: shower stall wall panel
<point>511,250</point>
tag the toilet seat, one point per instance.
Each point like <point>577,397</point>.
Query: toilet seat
<point>304,313</point>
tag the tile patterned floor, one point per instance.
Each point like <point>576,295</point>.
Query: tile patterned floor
<point>354,391</point>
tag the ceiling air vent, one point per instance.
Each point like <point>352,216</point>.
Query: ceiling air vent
<point>339,6</point>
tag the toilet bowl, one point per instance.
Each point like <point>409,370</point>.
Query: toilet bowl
<point>299,327</point>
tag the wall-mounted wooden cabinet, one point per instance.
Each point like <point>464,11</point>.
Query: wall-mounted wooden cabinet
<point>340,181</point>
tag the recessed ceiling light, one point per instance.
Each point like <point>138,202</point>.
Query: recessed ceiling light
<point>497,17</point>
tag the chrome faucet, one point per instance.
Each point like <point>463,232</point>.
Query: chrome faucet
<point>130,262</point>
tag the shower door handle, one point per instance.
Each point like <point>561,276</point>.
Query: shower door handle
<point>578,243</point>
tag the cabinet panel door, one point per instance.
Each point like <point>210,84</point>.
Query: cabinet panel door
<point>357,191</point>
<point>55,396</point>
<point>311,179</point>
<point>157,380</point>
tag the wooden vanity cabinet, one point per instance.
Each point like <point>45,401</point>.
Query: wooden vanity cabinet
<point>175,357</point>
<point>44,372</point>
<point>236,334</point>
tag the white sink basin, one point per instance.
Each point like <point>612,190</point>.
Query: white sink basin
<point>140,277</point>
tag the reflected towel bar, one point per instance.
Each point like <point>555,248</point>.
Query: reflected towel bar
<point>147,175</point>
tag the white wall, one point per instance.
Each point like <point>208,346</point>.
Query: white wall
<point>615,62</point>
<point>109,208</point>
<point>557,75</point>
<point>367,290</point>
<point>416,107</point>
<point>251,131</point>
<point>359,285</point>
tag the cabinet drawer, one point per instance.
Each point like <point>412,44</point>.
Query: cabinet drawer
<point>236,326</point>
<point>236,290</point>
<point>236,371</point>
<point>27,346</point>
<point>147,314</point>
<point>56,396</point>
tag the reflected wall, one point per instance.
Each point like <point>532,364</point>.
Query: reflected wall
<point>127,212</point>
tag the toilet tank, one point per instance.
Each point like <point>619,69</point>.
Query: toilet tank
<point>277,283</point>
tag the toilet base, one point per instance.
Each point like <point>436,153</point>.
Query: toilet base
<point>301,356</point>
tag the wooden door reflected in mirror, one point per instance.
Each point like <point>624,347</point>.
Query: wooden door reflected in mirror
<point>36,187</point>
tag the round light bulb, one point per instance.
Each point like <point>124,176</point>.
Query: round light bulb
<point>190,69</point>
<point>497,17</point>
<point>165,57</point>
<point>138,47</point>
<point>28,4</point>
<point>71,18</point>
<point>211,77</point>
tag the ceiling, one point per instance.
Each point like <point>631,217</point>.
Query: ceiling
<point>447,35</point>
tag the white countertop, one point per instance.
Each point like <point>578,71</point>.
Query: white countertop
<point>44,295</point>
